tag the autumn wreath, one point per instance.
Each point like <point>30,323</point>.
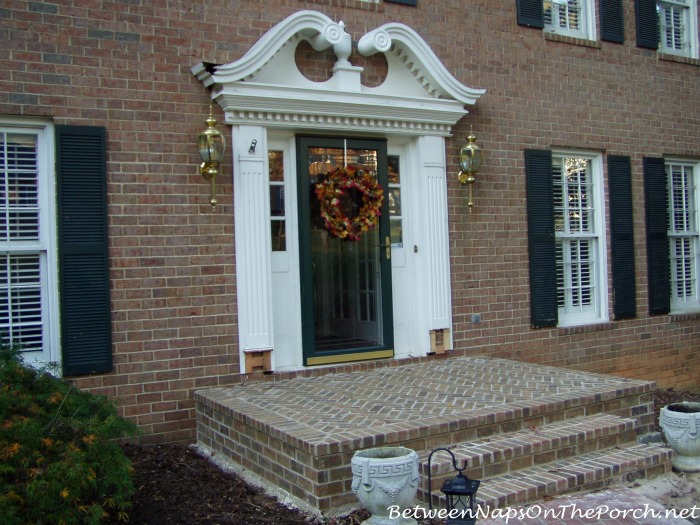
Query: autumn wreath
<point>350,201</point>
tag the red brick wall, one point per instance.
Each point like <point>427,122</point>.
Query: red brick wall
<point>616,99</point>
<point>126,66</point>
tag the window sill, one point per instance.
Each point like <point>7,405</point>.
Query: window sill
<point>684,316</point>
<point>679,59</point>
<point>352,4</point>
<point>597,326</point>
<point>554,37</point>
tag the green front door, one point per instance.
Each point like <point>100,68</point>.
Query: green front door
<point>345,282</point>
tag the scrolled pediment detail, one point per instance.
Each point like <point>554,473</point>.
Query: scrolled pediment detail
<point>405,49</point>
<point>318,29</point>
<point>417,95</point>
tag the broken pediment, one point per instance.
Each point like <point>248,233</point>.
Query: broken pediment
<point>418,95</point>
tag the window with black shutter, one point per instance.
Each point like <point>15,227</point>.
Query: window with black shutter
<point>573,18</point>
<point>541,245</point>
<point>622,237</point>
<point>656,202</point>
<point>530,13</point>
<point>612,26</point>
<point>647,23</point>
<point>81,184</point>
<point>566,238</point>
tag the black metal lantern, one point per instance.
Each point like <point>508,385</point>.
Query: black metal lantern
<point>460,497</point>
<point>460,494</point>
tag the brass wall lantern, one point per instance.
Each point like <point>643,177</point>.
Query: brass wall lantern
<point>470,157</point>
<point>210,143</point>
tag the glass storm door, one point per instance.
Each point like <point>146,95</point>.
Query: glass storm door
<point>345,282</point>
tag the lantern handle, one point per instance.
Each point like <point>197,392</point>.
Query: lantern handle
<point>454,459</point>
<point>430,472</point>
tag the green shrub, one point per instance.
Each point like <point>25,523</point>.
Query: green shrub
<point>59,462</point>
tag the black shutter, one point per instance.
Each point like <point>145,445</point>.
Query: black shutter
<point>81,185</point>
<point>530,13</point>
<point>658,265</point>
<point>622,237</point>
<point>612,26</point>
<point>544,307</point>
<point>647,24</point>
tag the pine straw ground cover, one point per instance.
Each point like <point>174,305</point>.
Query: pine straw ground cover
<point>176,486</point>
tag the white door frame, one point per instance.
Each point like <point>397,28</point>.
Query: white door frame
<point>266,100</point>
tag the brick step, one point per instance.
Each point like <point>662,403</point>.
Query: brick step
<point>505,453</point>
<point>590,471</point>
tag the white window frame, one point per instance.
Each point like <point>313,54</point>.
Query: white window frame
<point>45,247</point>
<point>571,314</point>
<point>586,29</point>
<point>689,29</point>
<point>684,225</point>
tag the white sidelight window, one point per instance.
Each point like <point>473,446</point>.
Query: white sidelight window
<point>578,236</point>
<point>27,253</point>
<point>684,248</point>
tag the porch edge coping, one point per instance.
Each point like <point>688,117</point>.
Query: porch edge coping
<point>280,427</point>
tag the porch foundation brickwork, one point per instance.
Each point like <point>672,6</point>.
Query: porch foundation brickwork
<point>300,434</point>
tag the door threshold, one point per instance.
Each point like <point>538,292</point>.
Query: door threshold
<point>349,358</point>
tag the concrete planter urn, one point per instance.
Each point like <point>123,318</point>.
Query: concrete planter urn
<point>384,477</point>
<point>681,425</point>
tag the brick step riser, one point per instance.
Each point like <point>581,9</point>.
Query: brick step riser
<point>506,424</point>
<point>564,481</point>
<point>487,467</point>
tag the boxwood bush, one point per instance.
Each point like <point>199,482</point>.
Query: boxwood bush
<point>59,461</point>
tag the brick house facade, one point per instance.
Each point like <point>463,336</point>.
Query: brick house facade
<point>594,92</point>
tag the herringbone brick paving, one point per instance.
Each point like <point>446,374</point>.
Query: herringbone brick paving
<point>337,407</point>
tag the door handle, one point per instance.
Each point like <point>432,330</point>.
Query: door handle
<point>387,247</point>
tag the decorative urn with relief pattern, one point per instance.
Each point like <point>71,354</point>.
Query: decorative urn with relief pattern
<point>385,478</point>
<point>681,425</point>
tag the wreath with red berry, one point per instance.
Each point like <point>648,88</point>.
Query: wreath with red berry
<point>350,202</point>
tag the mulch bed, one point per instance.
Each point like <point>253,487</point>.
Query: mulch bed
<point>176,486</point>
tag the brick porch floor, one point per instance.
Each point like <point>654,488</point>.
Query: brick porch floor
<point>301,433</point>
